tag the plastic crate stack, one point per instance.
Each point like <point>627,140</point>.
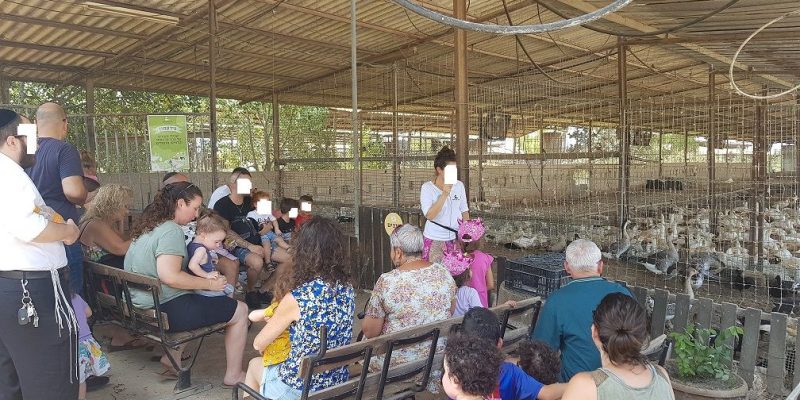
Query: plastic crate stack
<point>539,274</point>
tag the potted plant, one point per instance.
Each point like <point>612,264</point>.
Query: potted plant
<point>702,365</point>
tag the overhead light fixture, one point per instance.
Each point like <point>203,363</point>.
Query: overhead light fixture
<point>133,13</point>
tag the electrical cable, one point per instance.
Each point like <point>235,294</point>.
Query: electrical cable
<point>524,50</point>
<point>644,34</point>
<point>511,30</point>
<point>739,50</point>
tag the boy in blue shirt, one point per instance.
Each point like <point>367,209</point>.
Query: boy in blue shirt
<point>565,320</point>
<point>514,383</point>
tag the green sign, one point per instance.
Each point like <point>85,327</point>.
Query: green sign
<point>168,143</point>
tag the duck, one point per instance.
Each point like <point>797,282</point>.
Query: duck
<point>784,295</point>
<point>663,262</point>
<point>735,278</point>
<point>617,249</point>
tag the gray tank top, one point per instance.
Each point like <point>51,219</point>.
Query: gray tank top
<point>612,387</point>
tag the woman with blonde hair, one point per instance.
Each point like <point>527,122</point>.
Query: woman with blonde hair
<point>100,238</point>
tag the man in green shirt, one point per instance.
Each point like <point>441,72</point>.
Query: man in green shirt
<point>566,318</point>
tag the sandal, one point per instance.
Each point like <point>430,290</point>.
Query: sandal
<point>168,374</point>
<point>133,344</point>
<point>158,358</point>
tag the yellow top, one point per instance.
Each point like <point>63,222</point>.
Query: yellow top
<point>277,351</point>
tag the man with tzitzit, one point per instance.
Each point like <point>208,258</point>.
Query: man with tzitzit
<point>38,329</point>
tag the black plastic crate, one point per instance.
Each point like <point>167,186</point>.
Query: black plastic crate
<point>539,274</point>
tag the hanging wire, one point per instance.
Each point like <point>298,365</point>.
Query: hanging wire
<point>643,34</point>
<point>739,50</point>
<point>511,30</point>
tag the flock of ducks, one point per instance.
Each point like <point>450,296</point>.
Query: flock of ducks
<point>680,243</point>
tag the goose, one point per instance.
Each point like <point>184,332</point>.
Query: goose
<point>784,295</point>
<point>662,262</point>
<point>617,249</point>
<point>735,278</point>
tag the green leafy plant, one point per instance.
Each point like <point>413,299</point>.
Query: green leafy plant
<point>698,356</point>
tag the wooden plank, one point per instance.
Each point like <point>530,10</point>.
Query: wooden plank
<point>659,317</point>
<point>640,294</point>
<point>378,344</point>
<point>120,274</point>
<point>702,312</point>
<point>747,358</point>
<point>776,355</point>
<point>385,244</point>
<point>377,228</point>
<point>364,238</point>
<point>728,319</point>
<point>682,303</point>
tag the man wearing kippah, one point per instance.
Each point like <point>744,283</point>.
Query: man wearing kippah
<point>38,329</point>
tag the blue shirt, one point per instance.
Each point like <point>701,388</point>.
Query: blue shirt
<point>55,161</point>
<point>515,384</point>
<point>566,319</point>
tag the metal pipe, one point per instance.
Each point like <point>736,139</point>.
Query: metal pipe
<point>481,151</point>
<point>212,97</point>
<point>461,96</point>
<point>711,154</point>
<point>354,114</point>
<point>624,157</point>
<point>589,152</point>
<point>91,139</point>
<point>395,143</point>
<point>276,146</point>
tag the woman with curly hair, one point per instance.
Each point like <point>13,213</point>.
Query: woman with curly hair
<point>321,295</point>
<point>159,251</point>
<point>619,330</point>
<point>100,238</point>
<point>471,368</point>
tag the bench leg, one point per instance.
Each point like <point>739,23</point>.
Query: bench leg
<point>184,382</point>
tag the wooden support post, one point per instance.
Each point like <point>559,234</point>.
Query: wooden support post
<point>660,154</point>
<point>796,136</point>
<point>276,147</point>
<point>355,125</point>
<point>5,95</point>
<point>711,154</point>
<point>481,158</point>
<point>212,97</point>
<point>395,142</point>
<point>461,96</point>
<point>623,132</point>
<point>91,135</point>
<point>591,156</point>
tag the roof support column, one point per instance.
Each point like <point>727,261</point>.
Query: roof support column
<point>623,132</point>
<point>354,122</point>
<point>395,142</point>
<point>461,96</point>
<point>91,135</point>
<point>711,155</point>
<point>276,147</point>
<point>212,97</point>
<point>5,96</point>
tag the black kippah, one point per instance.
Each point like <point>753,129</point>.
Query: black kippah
<point>7,117</point>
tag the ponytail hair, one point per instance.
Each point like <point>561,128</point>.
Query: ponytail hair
<point>163,206</point>
<point>621,325</point>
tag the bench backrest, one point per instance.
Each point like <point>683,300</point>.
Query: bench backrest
<point>379,346</point>
<point>111,294</point>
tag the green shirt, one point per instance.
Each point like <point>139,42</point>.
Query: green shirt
<point>165,239</point>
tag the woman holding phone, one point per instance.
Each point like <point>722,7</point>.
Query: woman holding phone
<point>444,202</point>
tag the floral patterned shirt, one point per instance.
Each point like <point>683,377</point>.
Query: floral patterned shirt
<point>320,304</point>
<point>405,299</point>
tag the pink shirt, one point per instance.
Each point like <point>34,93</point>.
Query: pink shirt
<point>481,266</point>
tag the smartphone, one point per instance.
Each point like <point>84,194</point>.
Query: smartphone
<point>29,131</point>
<point>450,175</point>
<point>305,206</point>
<point>243,186</point>
<point>293,213</point>
<point>264,207</point>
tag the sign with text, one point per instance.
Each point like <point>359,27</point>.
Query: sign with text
<point>168,143</point>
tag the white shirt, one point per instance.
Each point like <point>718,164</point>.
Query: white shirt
<point>260,218</point>
<point>218,193</point>
<point>23,216</point>
<point>450,213</point>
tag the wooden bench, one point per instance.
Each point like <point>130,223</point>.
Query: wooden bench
<point>398,381</point>
<point>116,307</point>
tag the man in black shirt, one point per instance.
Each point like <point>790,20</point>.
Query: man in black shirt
<point>234,208</point>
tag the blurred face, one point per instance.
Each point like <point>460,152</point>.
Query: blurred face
<point>212,240</point>
<point>187,212</point>
<point>440,171</point>
<point>451,387</point>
